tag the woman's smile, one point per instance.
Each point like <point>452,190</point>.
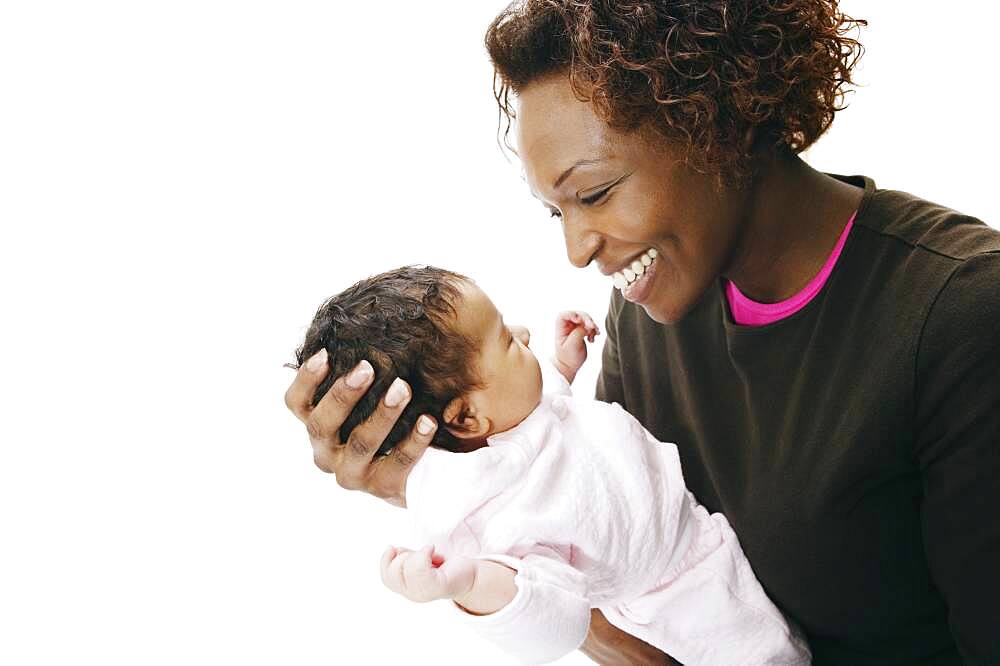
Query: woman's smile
<point>638,289</point>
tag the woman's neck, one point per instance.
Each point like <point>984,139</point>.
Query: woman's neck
<point>796,216</point>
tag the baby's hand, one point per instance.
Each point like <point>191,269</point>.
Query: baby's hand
<point>422,575</point>
<point>572,328</point>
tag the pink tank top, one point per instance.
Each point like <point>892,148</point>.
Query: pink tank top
<point>747,312</point>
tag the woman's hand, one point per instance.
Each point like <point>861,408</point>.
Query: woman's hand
<point>572,328</point>
<point>610,646</point>
<point>351,461</point>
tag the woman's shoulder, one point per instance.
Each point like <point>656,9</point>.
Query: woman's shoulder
<point>925,225</point>
<point>909,256</point>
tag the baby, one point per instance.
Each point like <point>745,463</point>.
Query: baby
<point>538,506</point>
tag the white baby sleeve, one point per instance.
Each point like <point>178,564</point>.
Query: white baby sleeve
<point>548,617</point>
<point>553,381</point>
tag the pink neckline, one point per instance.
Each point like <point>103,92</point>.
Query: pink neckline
<point>748,312</point>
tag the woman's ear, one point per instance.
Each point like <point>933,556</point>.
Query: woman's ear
<point>463,420</point>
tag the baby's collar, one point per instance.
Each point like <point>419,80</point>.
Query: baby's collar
<point>532,428</point>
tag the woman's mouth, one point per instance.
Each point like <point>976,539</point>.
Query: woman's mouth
<point>635,280</point>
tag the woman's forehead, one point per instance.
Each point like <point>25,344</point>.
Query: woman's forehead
<point>549,160</point>
<point>551,123</point>
<point>555,132</point>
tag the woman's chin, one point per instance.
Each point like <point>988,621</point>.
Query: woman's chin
<point>657,316</point>
<point>666,313</point>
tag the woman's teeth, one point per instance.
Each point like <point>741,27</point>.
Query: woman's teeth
<point>627,276</point>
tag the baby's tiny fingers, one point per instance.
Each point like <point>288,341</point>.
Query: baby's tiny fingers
<point>415,570</point>
<point>392,575</point>
<point>423,557</point>
<point>383,565</point>
<point>386,560</point>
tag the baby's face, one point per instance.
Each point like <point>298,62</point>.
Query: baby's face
<point>505,365</point>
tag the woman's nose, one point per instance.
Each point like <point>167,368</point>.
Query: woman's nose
<point>581,243</point>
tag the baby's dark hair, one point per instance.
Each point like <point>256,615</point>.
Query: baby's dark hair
<point>403,322</point>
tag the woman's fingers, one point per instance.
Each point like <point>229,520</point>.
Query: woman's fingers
<point>324,421</point>
<point>607,644</point>
<point>298,397</point>
<point>352,462</point>
<point>355,464</point>
<point>388,479</point>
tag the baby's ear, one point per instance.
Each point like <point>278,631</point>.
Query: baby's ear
<point>462,420</point>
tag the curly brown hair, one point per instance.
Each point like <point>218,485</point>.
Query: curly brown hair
<point>404,323</point>
<point>701,73</point>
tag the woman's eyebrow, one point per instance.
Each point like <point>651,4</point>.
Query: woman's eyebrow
<point>565,174</point>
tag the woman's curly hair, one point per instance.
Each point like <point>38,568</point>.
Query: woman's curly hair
<point>404,323</point>
<point>700,72</point>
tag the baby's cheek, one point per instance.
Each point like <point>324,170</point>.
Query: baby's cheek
<point>535,384</point>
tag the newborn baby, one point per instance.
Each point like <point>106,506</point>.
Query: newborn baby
<point>538,506</point>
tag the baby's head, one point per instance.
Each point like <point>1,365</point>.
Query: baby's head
<point>440,333</point>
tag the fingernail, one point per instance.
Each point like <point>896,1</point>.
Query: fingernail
<point>317,361</point>
<point>396,393</point>
<point>360,375</point>
<point>424,425</point>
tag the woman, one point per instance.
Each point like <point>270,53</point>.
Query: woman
<point>826,355</point>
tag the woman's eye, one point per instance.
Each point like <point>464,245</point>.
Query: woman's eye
<point>594,198</point>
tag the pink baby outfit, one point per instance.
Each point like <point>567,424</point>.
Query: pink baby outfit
<point>592,511</point>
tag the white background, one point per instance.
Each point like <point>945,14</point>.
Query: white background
<point>182,183</point>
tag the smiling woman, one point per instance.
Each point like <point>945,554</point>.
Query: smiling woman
<point>822,352</point>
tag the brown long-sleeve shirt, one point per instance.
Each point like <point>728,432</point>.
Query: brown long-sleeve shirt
<point>855,445</point>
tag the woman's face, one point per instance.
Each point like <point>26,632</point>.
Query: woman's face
<point>628,194</point>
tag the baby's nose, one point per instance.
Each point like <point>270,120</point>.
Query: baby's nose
<point>522,334</point>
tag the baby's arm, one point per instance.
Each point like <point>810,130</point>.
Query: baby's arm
<point>491,591</point>
<point>572,329</point>
<point>538,614</point>
<point>480,587</point>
